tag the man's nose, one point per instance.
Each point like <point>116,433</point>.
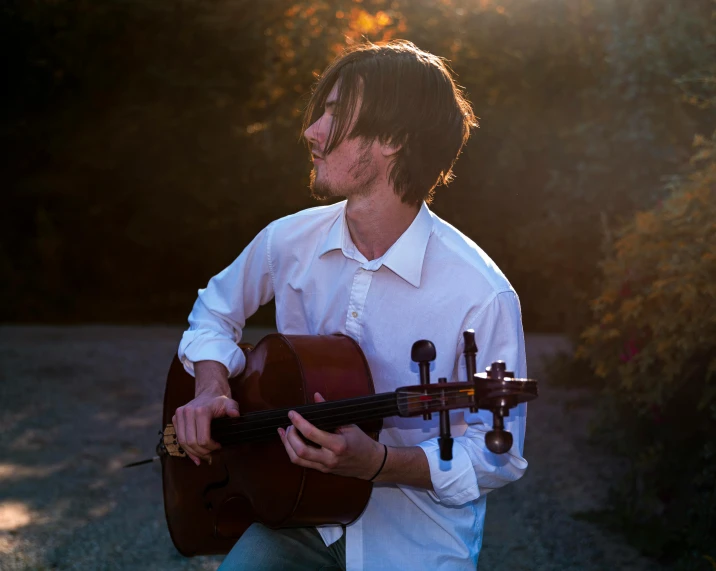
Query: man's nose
<point>312,134</point>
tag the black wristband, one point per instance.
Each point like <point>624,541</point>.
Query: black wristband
<point>385,457</point>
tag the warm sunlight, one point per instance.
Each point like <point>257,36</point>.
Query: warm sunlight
<point>14,515</point>
<point>183,180</point>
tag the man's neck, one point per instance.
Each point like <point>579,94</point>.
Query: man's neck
<point>377,221</point>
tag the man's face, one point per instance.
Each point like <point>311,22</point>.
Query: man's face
<point>351,168</point>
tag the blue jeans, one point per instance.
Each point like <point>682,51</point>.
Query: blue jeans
<point>295,549</point>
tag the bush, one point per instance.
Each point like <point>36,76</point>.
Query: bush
<point>654,346</point>
<point>159,137</point>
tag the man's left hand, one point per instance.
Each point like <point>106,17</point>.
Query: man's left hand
<point>347,452</point>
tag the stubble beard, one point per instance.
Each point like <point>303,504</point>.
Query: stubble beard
<point>319,189</point>
<point>362,174</point>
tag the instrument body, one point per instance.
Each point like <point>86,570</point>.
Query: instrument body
<point>251,478</point>
<point>209,506</point>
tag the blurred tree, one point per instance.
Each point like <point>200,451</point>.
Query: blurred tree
<point>653,344</point>
<point>149,142</point>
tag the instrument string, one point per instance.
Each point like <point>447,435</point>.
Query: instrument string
<point>275,423</point>
<point>269,428</point>
<point>318,411</point>
<point>331,408</point>
<point>272,420</point>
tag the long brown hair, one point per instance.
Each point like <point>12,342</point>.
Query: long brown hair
<point>407,97</point>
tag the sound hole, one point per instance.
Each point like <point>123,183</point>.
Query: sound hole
<point>233,518</point>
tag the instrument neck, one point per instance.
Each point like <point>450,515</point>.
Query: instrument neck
<point>328,416</point>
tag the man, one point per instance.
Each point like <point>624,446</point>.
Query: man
<point>385,125</point>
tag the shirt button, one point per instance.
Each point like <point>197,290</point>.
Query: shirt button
<point>354,314</point>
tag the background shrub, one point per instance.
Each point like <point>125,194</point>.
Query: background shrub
<point>653,344</point>
<point>147,142</point>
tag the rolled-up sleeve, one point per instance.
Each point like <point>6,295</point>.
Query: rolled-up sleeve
<point>474,470</point>
<point>219,314</point>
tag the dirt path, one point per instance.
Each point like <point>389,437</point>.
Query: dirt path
<point>76,403</point>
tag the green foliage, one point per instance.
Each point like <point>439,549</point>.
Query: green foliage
<point>158,137</point>
<point>654,346</point>
<point>656,324</point>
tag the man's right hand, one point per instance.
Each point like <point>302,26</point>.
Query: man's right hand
<point>193,424</point>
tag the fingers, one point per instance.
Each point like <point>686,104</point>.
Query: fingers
<point>203,437</point>
<point>180,429</point>
<point>187,434</point>
<point>300,453</point>
<point>219,406</point>
<point>318,397</point>
<point>193,425</point>
<point>304,449</point>
<point>327,440</point>
<point>231,408</point>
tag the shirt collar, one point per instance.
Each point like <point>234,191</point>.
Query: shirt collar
<point>405,257</point>
<point>334,239</point>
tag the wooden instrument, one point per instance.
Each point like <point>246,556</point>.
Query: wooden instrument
<point>251,478</point>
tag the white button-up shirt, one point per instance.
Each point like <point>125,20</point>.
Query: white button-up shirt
<point>433,283</point>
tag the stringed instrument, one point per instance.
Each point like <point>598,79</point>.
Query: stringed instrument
<point>251,478</point>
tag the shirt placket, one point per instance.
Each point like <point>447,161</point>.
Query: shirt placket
<point>356,303</point>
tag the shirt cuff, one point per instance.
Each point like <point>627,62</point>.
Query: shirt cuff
<point>330,533</point>
<point>206,345</point>
<point>454,481</point>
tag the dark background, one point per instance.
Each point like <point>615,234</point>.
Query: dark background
<point>145,143</point>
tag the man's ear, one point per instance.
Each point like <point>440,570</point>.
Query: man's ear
<point>390,147</point>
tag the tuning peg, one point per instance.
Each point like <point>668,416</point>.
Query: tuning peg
<point>498,370</point>
<point>470,354</point>
<point>423,352</point>
<point>498,440</point>
<point>470,348</point>
<point>445,440</point>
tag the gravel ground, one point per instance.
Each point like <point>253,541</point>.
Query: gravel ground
<point>77,403</point>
